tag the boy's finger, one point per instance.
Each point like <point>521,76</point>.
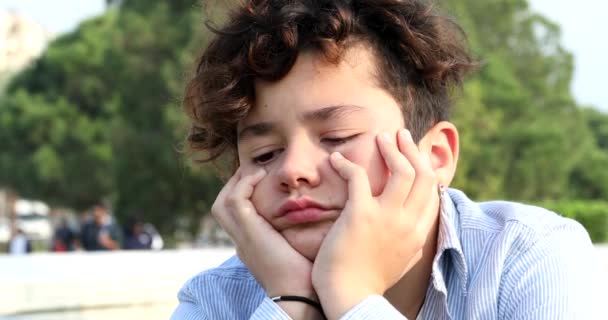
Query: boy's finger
<point>227,189</point>
<point>425,183</point>
<point>238,200</point>
<point>219,209</point>
<point>424,177</point>
<point>402,173</point>
<point>251,224</point>
<point>230,204</point>
<point>355,176</point>
<point>240,210</point>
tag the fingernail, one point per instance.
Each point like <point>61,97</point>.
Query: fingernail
<point>337,155</point>
<point>407,135</point>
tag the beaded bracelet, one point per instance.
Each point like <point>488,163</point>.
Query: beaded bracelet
<point>308,301</point>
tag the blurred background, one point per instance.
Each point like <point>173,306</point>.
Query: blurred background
<point>97,199</point>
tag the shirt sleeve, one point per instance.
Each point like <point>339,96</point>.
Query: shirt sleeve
<point>188,308</point>
<point>553,279</point>
<point>373,307</point>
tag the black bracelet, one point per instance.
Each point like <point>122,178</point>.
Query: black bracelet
<point>308,301</point>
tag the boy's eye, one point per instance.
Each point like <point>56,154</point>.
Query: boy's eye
<point>336,141</point>
<point>265,157</point>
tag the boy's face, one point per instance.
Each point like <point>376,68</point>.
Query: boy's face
<point>296,123</point>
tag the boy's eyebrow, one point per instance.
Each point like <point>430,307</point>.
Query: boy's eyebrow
<point>256,129</point>
<point>330,112</point>
<point>323,114</point>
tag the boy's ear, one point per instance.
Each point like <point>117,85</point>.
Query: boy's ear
<point>441,143</point>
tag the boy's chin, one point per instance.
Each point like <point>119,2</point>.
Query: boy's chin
<point>307,239</point>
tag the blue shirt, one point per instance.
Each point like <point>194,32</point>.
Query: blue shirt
<point>494,260</point>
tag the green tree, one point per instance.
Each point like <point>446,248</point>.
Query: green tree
<point>517,115</point>
<point>588,179</point>
<point>98,116</point>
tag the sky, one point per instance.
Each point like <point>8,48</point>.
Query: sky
<point>56,15</point>
<point>584,25</point>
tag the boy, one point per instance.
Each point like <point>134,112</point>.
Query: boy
<point>336,114</point>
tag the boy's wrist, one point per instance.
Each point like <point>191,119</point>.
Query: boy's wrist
<point>300,310</point>
<point>338,300</point>
<point>310,294</point>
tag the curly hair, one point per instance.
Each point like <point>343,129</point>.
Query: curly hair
<point>421,55</point>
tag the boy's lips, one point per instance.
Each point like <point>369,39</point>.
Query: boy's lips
<point>303,210</point>
<point>298,204</point>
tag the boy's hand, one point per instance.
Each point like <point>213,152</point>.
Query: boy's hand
<point>279,268</point>
<point>376,240</point>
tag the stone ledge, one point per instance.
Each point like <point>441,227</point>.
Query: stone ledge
<point>49,281</point>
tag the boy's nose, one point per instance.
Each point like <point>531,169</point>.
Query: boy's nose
<point>300,167</point>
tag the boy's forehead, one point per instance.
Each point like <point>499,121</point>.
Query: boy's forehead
<point>356,60</point>
<point>314,83</point>
<point>314,114</point>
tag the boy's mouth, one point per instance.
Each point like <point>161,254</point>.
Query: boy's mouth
<point>303,210</point>
<point>299,204</point>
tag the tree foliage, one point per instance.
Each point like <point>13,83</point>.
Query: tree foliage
<point>523,134</point>
<point>98,115</point>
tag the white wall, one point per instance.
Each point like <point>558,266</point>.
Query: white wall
<point>54,281</point>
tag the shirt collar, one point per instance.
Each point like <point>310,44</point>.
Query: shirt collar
<point>449,249</point>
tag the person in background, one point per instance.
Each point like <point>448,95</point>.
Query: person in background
<point>102,232</point>
<point>64,237</point>
<point>19,244</point>
<point>87,231</point>
<point>136,235</point>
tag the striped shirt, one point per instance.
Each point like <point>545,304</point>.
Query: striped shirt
<point>494,260</point>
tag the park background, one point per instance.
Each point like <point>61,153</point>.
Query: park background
<point>97,115</point>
